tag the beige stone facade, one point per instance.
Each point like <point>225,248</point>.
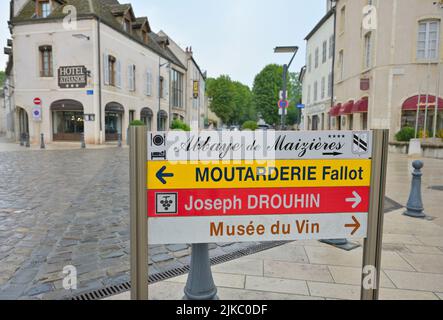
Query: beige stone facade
<point>389,55</point>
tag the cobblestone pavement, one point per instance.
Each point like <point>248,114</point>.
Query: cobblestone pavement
<point>60,208</point>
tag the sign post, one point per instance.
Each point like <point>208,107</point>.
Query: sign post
<point>211,187</point>
<point>373,242</point>
<point>138,206</point>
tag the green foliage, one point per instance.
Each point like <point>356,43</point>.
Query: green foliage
<point>137,123</point>
<point>2,78</point>
<point>180,125</point>
<point>230,100</point>
<point>250,125</point>
<point>405,134</point>
<point>266,94</point>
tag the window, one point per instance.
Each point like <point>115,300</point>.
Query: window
<point>323,87</point>
<point>127,25</point>
<point>315,91</point>
<point>149,83</point>
<point>131,77</point>
<point>316,57</point>
<point>428,40</point>
<point>177,89</point>
<point>368,51</point>
<point>331,46</point>
<point>43,8</point>
<point>342,19</point>
<point>325,51</point>
<point>112,71</point>
<point>46,61</point>
<point>309,95</point>
<point>340,65</point>
<point>161,87</point>
<point>144,36</point>
<point>310,63</point>
<point>330,84</point>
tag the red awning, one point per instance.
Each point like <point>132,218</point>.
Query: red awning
<point>361,106</point>
<point>346,108</point>
<point>411,103</point>
<point>335,110</point>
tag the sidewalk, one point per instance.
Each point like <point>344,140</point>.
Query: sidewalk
<point>412,258</point>
<point>7,145</point>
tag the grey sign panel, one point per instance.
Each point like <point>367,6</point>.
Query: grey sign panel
<point>258,145</point>
<point>72,77</point>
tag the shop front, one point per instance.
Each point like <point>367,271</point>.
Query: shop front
<point>426,111</point>
<point>68,122</point>
<point>114,113</point>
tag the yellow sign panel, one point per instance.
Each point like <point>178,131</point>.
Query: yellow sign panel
<point>164,175</point>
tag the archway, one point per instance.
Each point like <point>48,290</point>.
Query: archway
<point>68,122</point>
<point>146,116</point>
<point>23,122</point>
<point>162,121</point>
<point>114,113</point>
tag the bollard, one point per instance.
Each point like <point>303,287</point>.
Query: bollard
<point>82,137</point>
<point>42,141</point>
<point>119,140</point>
<point>415,203</point>
<point>22,139</point>
<point>200,285</point>
<point>28,142</point>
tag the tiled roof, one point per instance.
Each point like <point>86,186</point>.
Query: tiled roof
<point>105,10</point>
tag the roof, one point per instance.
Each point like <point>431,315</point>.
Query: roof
<point>106,11</point>
<point>320,23</point>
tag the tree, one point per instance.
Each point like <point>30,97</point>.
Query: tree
<point>231,100</point>
<point>2,78</point>
<point>267,86</point>
<point>221,94</point>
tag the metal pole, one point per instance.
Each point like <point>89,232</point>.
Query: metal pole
<point>200,284</point>
<point>437,96</point>
<point>138,207</point>
<point>28,140</point>
<point>42,141</point>
<point>425,126</point>
<point>283,114</point>
<point>418,113</point>
<point>372,248</point>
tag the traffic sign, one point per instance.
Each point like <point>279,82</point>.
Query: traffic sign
<point>210,187</point>
<point>37,101</point>
<point>283,104</point>
<point>37,113</point>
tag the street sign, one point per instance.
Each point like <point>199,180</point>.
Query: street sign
<point>283,104</point>
<point>253,186</point>
<point>300,106</point>
<point>37,113</point>
<point>37,101</point>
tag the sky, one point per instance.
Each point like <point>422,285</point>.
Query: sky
<point>233,37</point>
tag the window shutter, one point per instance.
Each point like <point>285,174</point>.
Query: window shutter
<point>119,74</point>
<point>130,78</point>
<point>149,83</point>
<point>106,68</point>
<point>166,88</point>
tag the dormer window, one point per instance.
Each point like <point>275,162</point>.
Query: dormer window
<point>145,36</point>
<point>127,25</point>
<point>43,8</point>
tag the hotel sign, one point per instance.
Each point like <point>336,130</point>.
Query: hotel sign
<point>234,187</point>
<point>72,77</point>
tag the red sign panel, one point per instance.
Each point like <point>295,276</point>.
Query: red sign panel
<point>37,101</point>
<point>239,202</point>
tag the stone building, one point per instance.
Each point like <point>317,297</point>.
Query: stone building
<point>388,65</point>
<point>95,66</point>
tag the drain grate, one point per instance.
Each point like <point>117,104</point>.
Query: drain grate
<point>126,286</point>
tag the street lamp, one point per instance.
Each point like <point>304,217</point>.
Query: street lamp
<point>285,49</point>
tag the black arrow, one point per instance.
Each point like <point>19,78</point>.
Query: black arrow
<point>161,175</point>
<point>335,154</point>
